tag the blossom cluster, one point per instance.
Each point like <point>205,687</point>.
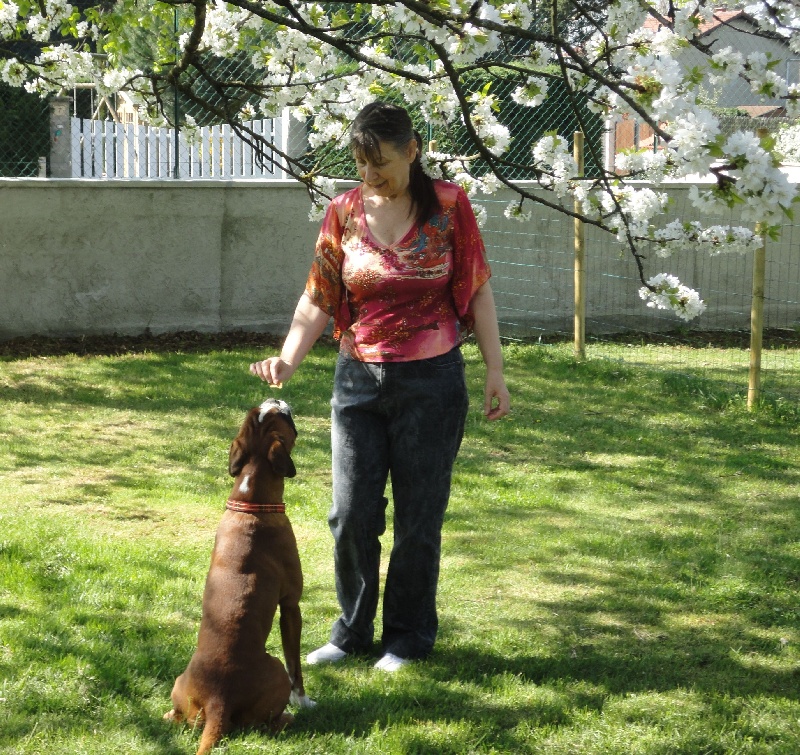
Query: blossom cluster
<point>679,236</point>
<point>552,156</point>
<point>787,143</point>
<point>630,211</point>
<point>58,65</point>
<point>664,291</point>
<point>779,16</point>
<point>532,93</point>
<point>9,13</point>
<point>643,164</point>
<point>494,135</point>
<point>755,180</point>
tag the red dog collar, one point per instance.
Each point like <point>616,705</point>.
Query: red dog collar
<point>255,508</point>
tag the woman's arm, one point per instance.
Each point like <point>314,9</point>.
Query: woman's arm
<point>487,334</point>
<point>307,326</point>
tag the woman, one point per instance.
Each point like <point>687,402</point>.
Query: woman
<point>401,268</point>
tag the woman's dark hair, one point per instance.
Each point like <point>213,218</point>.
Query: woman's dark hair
<point>384,122</point>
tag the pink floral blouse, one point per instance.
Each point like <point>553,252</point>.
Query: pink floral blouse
<point>402,302</point>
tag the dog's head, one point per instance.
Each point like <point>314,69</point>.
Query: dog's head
<point>268,432</point>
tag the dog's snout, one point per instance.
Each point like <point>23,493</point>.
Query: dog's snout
<point>273,403</point>
<point>278,405</point>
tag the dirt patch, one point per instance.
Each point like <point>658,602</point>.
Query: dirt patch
<point>115,345</point>
<point>773,338</point>
<point>193,341</point>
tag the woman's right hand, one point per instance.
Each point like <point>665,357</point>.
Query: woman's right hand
<point>274,371</point>
<point>307,325</point>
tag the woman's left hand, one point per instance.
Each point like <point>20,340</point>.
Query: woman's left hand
<point>496,399</point>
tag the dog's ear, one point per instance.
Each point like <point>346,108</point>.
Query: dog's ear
<point>236,457</point>
<point>282,463</point>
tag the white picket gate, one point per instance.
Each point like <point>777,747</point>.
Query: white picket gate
<point>105,149</point>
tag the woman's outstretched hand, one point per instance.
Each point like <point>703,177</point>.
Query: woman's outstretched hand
<point>274,371</point>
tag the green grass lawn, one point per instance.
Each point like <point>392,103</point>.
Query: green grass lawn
<point>621,567</point>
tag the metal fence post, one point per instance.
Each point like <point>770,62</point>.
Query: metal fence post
<point>293,138</point>
<point>579,275</point>
<point>60,138</point>
<point>176,132</point>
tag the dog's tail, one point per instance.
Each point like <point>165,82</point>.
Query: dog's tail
<point>218,724</point>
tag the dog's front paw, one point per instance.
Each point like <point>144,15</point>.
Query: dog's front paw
<point>301,701</point>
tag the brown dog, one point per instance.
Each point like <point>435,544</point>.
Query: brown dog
<point>231,681</point>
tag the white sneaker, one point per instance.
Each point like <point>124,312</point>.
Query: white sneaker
<point>391,662</point>
<point>326,654</point>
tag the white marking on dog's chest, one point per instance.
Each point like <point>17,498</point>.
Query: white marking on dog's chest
<point>244,485</point>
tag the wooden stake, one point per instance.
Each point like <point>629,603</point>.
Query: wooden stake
<point>579,275</point>
<point>757,320</point>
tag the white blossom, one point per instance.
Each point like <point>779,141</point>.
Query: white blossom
<point>190,131</point>
<point>223,28</point>
<point>631,210</point>
<point>114,80</point>
<point>692,134</point>
<point>12,72</point>
<point>645,164</point>
<point>481,214</point>
<point>39,27</point>
<point>688,17</point>
<point>493,134</point>
<point>325,189</point>
<point>514,211</point>
<point>763,78</point>
<point>727,65</point>
<point>467,182</point>
<point>532,94</point>
<point>431,164</point>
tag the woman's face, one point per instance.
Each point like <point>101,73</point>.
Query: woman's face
<point>388,176</point>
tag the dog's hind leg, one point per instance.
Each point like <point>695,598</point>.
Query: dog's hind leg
<point>181,702</point>
<point>218,723</point>
<point>269,705</point>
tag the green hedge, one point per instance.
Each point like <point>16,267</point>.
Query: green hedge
<point>24,132</point>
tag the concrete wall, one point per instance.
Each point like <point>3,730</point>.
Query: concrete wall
<point>99,257</point>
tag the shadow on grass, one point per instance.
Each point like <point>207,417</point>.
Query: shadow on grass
<point>149,417</point>
<point>163,382</point>
<point>564,413</point>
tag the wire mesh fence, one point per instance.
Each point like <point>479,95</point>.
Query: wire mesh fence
<point>24,132</point>
<point>533,282</point>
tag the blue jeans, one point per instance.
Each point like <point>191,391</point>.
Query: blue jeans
<point>404,420</point>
